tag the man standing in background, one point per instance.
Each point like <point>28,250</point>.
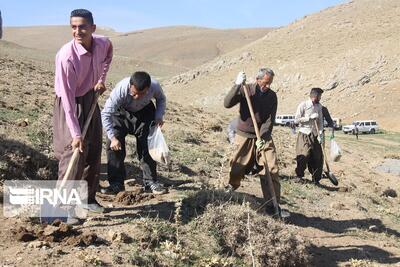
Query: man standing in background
<point>81,69</point>
<point>309,138</point>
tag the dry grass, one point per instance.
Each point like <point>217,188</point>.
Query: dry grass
<point>273,243</point>
<point>219,235</point>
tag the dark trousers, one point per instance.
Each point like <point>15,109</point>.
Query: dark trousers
<point>244,159</point>
<point>309,154</point>
<point>88,166</point>
<point>137,124</point>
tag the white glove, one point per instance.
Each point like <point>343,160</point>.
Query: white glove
<point>241,78</point>
<point>314,116</point>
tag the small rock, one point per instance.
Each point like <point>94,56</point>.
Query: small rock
<point>85,239</point>
<point>58,252</point>
<point>89,238</point>
<point>344,189</point>
<point>22,123</point>
<point>38,244</point>
<point>363,80</point>
<point>118,237</point>
<point>65,228</point>
<point>388,192</point>
<point>25,237</point>
<point>56,222</point>
<point>50,230</point>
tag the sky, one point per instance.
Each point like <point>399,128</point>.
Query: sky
<point>129,15</point>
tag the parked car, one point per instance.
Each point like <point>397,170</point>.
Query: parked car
<point>368,126</point>
<point>284,120</point>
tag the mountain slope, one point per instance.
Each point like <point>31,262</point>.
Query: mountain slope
<point>351,50</point>
<point>180,47</point>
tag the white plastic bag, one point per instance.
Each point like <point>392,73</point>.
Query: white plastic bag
<point>336,152</point>
<point>158,148</point>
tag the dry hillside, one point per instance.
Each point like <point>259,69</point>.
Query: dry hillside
<point>351,50</point>
<point>154,50</point>
<point>183,46</point>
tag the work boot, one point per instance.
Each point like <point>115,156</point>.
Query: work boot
<point>282,213</point>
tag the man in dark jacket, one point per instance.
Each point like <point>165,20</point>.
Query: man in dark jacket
<point>249,149</point>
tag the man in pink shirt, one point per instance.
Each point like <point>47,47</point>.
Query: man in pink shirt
<point>81,69</point>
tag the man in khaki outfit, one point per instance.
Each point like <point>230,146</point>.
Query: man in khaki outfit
<point>309,139</point>
<point>249,149</point>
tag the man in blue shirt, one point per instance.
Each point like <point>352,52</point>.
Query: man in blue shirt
<point>130,110</point>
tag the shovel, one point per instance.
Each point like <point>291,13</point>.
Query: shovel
<point>267,174</point>
<point>328,173</point>
<point>57,211</point>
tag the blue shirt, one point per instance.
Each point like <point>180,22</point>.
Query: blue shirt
<point>121,97</point>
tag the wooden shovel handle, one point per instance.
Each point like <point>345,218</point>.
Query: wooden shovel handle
<point>75,156</point>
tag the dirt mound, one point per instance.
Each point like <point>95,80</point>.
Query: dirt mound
<point>133,197</point>
<point>57,232</point>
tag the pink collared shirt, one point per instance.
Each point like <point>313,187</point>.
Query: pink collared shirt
<point>77,72</point>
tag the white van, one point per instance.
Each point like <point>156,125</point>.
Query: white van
<point>284,120</point>
<point>363,127</point>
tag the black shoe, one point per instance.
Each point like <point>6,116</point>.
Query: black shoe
<point>113,189</point>
<point>270,210</point>
<point>316,182</point>
<point>282,213</point>
<point>155,187</point>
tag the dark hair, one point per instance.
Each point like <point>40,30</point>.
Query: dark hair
<point>316,91</point>
<point>83,13</point>
<point>141,80</point>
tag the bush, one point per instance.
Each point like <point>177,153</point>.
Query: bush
<point>271,242</point>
